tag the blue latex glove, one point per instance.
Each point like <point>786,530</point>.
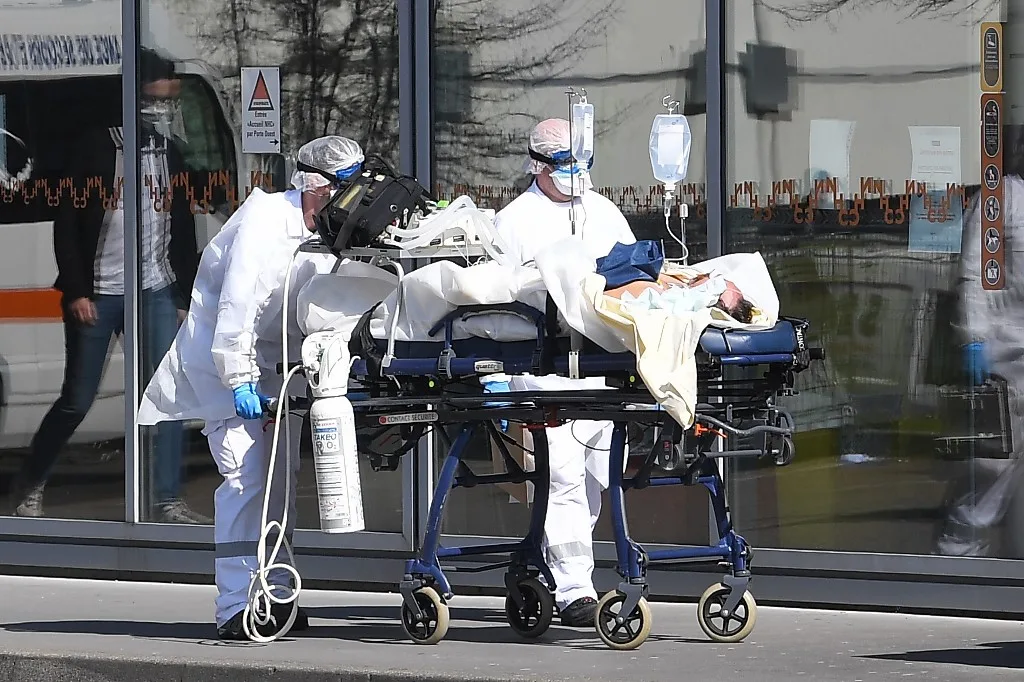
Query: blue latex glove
<point>975,363</point>
<point>248,403</point>
<point>497,387</point>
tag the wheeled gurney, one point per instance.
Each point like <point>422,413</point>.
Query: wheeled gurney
<point>434,383</point>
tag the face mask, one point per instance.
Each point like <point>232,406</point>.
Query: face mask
<point>165,117</point>
<point>321,200</point>
<point>571,182</point>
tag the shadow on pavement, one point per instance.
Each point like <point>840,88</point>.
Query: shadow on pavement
<point>993,655</point>
<point>148,630</point>
<point>370,625</point>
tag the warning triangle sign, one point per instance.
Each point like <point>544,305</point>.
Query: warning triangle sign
<point>260,100</point>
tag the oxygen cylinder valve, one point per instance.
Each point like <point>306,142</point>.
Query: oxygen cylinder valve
<point>326,361</point>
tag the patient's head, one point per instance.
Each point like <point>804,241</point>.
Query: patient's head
<point>733,302</point>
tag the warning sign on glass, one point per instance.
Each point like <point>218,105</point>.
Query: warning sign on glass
<point>992,206</point>
<point>261,110</point>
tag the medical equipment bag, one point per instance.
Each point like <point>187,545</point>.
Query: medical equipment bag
<point>366,206</point>
<point>628,263</point>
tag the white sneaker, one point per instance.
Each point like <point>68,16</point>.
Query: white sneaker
<point>177,511</point>
<point>28,501</point>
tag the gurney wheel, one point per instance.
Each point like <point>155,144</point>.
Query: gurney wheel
<point>729,630</point>
<point>534,619</point>
<point>787,453</point>
<point>434,627</point>
<point>632,632</point>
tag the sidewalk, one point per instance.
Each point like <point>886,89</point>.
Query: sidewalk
<point>66,630</point>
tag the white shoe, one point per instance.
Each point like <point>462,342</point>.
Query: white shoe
<point>177,511</point>
<point>27,501</point>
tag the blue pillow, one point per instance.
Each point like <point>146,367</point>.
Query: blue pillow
<point>639,262</point>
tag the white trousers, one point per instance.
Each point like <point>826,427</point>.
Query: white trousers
<point>574,504</point>
<point>241,450</point>
<point>578,456</point>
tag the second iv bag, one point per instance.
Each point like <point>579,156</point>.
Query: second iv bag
<point>583,132</point>
<point>670,148</point>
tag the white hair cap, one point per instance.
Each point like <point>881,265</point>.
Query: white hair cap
<point>330,154</point>
<point>547,138</point>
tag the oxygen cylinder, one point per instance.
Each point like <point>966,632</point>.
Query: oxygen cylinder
<point>333,425</point>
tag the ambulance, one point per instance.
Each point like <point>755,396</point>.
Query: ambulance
<point>59,75</point>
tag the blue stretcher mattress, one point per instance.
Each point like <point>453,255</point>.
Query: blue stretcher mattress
<point>778,345</point>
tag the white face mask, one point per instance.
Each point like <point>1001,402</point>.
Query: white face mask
<point>571,184</point>
<point>166,118</point>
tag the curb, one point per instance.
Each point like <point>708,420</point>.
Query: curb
<point>81,668</point>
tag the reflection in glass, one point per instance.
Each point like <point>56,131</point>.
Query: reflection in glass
<point>854,156</point>
<point>168,261</point>
<point>203,118</point>
<point>501,71</point>
<point>61,278</point>
<point>981,495</point>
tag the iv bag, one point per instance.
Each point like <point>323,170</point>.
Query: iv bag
<point>670,148</point>
<point>582,131</point>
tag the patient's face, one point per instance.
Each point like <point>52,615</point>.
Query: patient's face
<point>733,302</point>
<point>731,297</point>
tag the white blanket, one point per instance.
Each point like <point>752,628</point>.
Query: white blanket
<point>665,344</point>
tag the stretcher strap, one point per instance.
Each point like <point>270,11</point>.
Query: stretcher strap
<point>362,343</point>
<point>547,362</point>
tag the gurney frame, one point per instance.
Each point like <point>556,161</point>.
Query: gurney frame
<point>529,605</point>
<point>428,389</point>
<point>726,611</point>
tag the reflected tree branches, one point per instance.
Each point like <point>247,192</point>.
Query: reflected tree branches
<point>812,10</point>
<point>339,64</point>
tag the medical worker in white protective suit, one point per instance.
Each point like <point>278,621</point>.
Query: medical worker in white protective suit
<point>223,366</point>
<point>990,499</point>
<point>578,450</point>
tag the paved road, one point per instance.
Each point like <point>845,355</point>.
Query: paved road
<point>57,629</point>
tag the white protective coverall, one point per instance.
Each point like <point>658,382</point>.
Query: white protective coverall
<point>232,336</point>
<point>993,494</point>
<point>578,450</point>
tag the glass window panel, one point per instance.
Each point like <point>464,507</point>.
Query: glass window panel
<point>854,166</point>
<point>61,362</point>
<point>338,74</point>
<point>502,68</point>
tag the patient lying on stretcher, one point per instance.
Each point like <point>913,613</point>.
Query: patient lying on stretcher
<point>681,290</point>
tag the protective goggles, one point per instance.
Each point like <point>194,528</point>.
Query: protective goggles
<point>346,173</point>
<point>561,159</point>
<point>337,177</point>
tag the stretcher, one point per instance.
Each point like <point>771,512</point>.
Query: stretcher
<point>415,386</point>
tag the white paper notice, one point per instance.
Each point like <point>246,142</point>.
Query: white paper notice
<point>830,143</point>
<point>936,216</point>
<point>936,155</point>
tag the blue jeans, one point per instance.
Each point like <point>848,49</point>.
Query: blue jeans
<point>86,349</point>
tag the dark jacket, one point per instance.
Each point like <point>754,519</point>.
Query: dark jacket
<point>76,228</point>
